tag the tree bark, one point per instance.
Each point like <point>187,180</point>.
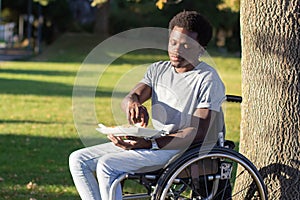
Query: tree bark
<point>101,25</point>
<point>270,124</point>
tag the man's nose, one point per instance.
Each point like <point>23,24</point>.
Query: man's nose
<point>178,48</point>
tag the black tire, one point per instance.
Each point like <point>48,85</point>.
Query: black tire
<point>177,183</point>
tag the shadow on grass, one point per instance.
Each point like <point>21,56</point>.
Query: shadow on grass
<point>40,160</point>
<point>38,72</point>
<point>24,121</point>
<point>20,86</point>
<point>43,88</point>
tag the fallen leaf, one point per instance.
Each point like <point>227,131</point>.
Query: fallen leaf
<point>31,185</point>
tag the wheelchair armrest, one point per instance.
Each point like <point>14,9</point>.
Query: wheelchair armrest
<point>229,144</point>
<point>234,98</point>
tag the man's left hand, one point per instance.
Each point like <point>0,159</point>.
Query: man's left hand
<point>130,142</point>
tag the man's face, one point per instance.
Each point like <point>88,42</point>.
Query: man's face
<point>183,49</point>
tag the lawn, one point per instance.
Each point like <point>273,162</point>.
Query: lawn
<point>37,131</point>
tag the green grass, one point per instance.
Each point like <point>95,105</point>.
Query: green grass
<point>37,131</point>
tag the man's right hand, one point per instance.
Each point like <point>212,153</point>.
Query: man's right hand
<point>137,114</point>
<point>132,104</point>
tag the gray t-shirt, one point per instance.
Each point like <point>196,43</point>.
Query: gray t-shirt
<point>175,96</point>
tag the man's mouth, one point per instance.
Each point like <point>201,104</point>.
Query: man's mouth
<point>175,58</point>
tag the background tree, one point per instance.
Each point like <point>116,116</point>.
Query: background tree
<point>107,17</point>
<point>271,93</point>
<point>141,13</point>
<point>101,24</point>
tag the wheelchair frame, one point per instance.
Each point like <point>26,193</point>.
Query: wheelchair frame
<point>159,183</point>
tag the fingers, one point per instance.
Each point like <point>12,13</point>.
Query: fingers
<point>144,116</point>
<point>144,120</point>
<point>132,113</point>
<point>118,141</point>
<point>114,139</point>
<point>143,123</point>
<point>131,138</point>
<point>131,143</point>
<point>137,114</point>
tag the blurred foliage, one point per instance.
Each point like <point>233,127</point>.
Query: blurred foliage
<point>141,13</point>
<point>161,3</point>
<point>98,2</point>
<point>233,5</point>
<point>43,2</point>
<point>127,14</point>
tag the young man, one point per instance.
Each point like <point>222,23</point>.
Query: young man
<point>186,99</point>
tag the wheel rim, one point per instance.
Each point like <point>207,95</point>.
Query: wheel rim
<point>255,189</point>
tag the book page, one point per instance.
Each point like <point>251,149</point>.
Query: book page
<point>128,130</point>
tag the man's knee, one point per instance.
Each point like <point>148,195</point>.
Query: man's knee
<point>106,166</point>
<point>103,165</point>
<point>76,161</point>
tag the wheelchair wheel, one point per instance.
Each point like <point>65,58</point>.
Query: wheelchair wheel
<point>210,175</point>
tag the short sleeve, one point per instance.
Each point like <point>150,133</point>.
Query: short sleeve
<point>211,95</point>
<point>148,77</point>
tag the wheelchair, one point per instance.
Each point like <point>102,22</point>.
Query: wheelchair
<point>201,173</point>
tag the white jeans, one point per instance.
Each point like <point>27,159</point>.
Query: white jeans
<point>95,168</point>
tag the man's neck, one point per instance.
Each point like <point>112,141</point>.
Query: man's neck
<point>184,69</point>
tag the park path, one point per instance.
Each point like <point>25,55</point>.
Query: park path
<point>14,54</point>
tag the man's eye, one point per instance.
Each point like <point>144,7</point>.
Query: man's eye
<point>186,46</point>
<point>172,42</point>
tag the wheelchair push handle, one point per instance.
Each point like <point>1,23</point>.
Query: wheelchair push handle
<point>234,98</point>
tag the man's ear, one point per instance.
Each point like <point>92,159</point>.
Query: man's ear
<point>202,50</point>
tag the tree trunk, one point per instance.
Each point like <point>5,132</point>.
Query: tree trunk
<point>270,124</point>
<point>101,25</point>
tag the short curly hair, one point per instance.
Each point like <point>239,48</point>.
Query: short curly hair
<point>195,22</point>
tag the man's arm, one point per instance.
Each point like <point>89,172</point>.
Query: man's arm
<point>193,134</point>
<point>180,140</point>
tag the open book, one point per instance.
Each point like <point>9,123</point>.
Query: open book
<point>129,130</point>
